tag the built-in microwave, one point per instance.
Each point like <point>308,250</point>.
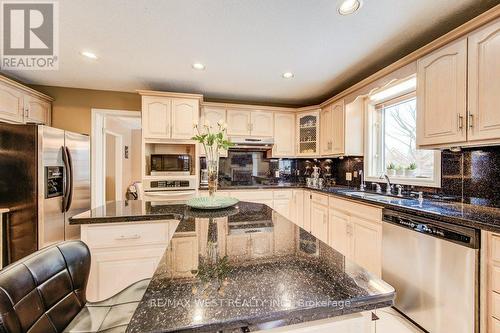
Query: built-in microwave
<point>164,164</point>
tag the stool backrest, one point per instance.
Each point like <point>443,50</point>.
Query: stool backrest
<point>44,291</point>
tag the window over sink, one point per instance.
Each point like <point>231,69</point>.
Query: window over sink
<point>391,139</point>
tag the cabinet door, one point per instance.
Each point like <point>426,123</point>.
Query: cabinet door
<point>213,115</point>
<point>113,270</point>
<point>338,128</point>
<point>306,221</point>
<point>238,246</point>
<point>261,244</point>
<point>36,110</point>
<point>184,114</point>
<point>339,232</point>
<point>298,207</point>
<point>262,123</point>
<point>319,221</point>
<point>156,116</point>
<point>367,244</point>
<point>308,134</point>
<point>284,135</point>
<point>484,83</point>
<point>326,123</point>
<point>11,104</point>
<point>184,256</point>
<point>282,206</point>
<point>441,95</point>
<point>238,122</point>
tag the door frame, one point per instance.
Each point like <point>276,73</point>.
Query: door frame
<point>118,164</point>
<point>97,172</point>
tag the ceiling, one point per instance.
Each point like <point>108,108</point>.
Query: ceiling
<point>245,45</point>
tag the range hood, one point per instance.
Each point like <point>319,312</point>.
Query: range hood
<point>253,143</point>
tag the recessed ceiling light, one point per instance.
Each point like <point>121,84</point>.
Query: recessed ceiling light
<point>89,54</point>
<point>199,66</point>
<point>287,75</point>
<point>349,6</point>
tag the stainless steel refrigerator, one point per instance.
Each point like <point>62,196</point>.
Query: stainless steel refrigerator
<point>44,180</point>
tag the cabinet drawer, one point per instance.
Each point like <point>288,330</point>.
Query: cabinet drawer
<point>252,195</point>
<point>495,278</point>
<point>369,212</point>
<point>495,248</point>
<point>126,235</point>
<point>320,199</point>
<point>495,325</point>
<point>495,305</point>
<point>283,194</point>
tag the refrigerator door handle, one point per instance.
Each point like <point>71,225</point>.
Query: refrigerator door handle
<point>67,179</point>
<point>70,185</point>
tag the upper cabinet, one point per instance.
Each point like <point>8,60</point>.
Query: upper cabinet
<point>249,123</point>
<point>441,95</point>
<point>284,135</point>
<point>211,116</point>
<point>337,119</point>
<point>308,133</point>
<point>484,83</point>
<point>168,116</point>
<point>19,104</point>
<point>457,91</point>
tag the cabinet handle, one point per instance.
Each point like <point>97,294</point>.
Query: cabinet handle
<point>460,122</point>
<point>471,120</point>
<point>122,237</point>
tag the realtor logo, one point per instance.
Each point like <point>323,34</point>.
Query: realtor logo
<point>30,35</point>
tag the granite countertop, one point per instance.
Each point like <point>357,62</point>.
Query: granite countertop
<point>301,279</point>
<point>474,216</point>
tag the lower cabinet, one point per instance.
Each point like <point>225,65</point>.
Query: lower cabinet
<point>182,256</point>
<point>253,245</point>
<point>306,213</point>
<point>298,207</point>
<point>123,253</point>
<point>355,230</point>
<point>490,270</point>
<point>319,217</point>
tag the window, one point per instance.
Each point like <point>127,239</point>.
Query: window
<point>392,149</point>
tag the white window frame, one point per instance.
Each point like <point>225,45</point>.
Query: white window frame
<point>370,149</point>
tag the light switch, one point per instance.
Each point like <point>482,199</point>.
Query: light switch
<point>348,176</point>
<point>355,174</point>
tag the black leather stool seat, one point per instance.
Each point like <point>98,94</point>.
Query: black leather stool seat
<point>111,315</point>
<point>45,293</point>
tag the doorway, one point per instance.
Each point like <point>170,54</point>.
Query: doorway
<point>116,144</point>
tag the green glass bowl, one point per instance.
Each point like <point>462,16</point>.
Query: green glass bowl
<point>211,202</point>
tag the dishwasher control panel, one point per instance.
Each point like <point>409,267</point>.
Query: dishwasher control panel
<point>454,233</point>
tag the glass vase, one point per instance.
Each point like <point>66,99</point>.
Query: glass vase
<point>213,174</point>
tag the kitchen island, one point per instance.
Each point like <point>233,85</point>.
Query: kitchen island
<point>247,267</point>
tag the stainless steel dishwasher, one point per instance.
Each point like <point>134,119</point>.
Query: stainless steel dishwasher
<point>434,267</point>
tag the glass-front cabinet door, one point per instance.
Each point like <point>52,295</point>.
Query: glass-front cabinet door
<point>308,134</point>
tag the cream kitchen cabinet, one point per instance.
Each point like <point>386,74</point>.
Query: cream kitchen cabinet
<point>212,115</point>
<point>282,202</point>
<point>306,212</point>
<point>442,95</point>
<point>284,135</point>
<point>249,245</point>
<point>308,133</point>
<point>484,83</point>
<point>355,230</point>
<point>262,197</point>
<point>123,253</point>
<point>298,207</point>
<point>319,216</point>
<point>332,129</point>
<point>250,123</point>
<point>169,118</point>
<point>36,110</point>
<point>19,104</point>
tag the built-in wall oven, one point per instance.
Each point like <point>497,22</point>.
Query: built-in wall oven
<point>434,267</point>
<point>169,188</point>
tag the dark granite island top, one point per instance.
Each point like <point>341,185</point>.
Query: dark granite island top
<point>254,268</point>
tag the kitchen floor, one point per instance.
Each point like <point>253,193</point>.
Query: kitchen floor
<point>392,321</point>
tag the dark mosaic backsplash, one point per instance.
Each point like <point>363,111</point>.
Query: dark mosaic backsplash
<point>471,175</point>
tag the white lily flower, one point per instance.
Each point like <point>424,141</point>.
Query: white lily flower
<point>207,123</point>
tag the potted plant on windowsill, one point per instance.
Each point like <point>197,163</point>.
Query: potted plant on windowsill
<point>411,170</point>
<point>391,169</point>
<point>400,171</point>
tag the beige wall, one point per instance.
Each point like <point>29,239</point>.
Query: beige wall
<point>71,108</point>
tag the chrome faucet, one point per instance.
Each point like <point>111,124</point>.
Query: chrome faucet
<point>389,186</point>
<point>400,190</point>
<point>378,189</point>
<point>362,184</point>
